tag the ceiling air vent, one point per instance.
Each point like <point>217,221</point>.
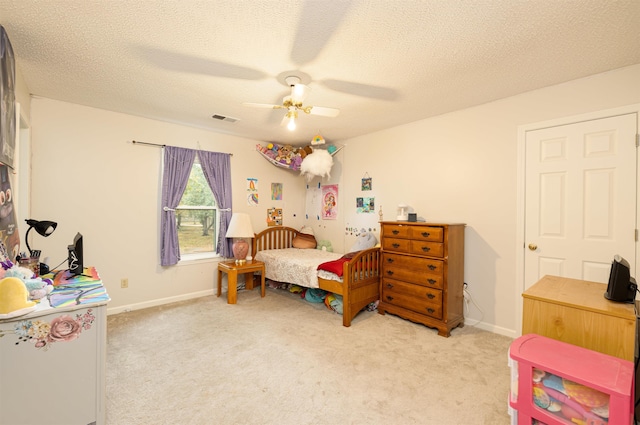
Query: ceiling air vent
<point>223,118</point>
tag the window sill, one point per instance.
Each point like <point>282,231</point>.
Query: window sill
<point>199,258</point>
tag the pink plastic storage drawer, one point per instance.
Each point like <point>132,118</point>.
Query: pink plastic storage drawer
<point>558,383</point>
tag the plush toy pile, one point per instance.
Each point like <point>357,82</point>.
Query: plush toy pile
<point>284,155</point>
<point>20,289</point>
<point>310,162</point>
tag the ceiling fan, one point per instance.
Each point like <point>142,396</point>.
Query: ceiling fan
<point>293,104</point>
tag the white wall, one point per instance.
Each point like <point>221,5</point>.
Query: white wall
<point>462,167</point>
<point>88,177</point>
<point>458,167</point>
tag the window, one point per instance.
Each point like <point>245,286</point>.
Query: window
<point>197,217</point>
<point>177,167</point>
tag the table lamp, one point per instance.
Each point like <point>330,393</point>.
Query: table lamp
<point>240,229</point>
<point>44,228</point>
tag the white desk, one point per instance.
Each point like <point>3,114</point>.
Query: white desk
<point>52,365</point>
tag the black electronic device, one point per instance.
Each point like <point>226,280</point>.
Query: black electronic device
<point>621,287</point>
<point>76,256</point>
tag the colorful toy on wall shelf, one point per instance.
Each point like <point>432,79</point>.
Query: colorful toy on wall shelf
<point>317,140</point>
<point>284,156</point>
<point>310,162</point>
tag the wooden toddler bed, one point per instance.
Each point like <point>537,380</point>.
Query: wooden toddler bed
<point>360,283</point>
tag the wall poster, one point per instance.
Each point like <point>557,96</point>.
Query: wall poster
<point>329,202</point>
<point>8,226</point>
<point>274,217</point>
<point>365,205</point>
<point>7,101</point>
<point>276,191</point>
<point>313,201</point>
<point>252,192</point>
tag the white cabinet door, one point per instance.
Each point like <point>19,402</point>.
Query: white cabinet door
<point>52,368</point>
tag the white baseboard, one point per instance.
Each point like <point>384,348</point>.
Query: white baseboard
<point>159,301</point>
<point>491,328</point>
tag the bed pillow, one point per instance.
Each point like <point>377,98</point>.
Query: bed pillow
<point>305,239</point>
<point>364,241</point>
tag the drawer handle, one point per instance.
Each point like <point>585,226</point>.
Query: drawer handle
<point>395,232</point>
<point>431,296</point>
<point>426,248</point>
<point>389,285</point>
<point>431,281</point>
<point>431,267</point>
<point>390,272</point>
<point>430,310</point>
<point>390,260</point>
<point>395,245</point>
<point>426,234</point>
<point>389,298</point>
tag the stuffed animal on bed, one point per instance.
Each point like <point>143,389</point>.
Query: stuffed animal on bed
<point>325,246</point>
<point>364,241</point>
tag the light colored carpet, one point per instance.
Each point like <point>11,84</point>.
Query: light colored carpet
<point>281,360</point>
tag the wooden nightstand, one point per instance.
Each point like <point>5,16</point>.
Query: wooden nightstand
<point>233,270</point>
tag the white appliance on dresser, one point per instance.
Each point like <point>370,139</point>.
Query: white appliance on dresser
<point>52,360</point>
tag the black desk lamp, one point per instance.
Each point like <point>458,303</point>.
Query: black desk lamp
<point>44,228</point>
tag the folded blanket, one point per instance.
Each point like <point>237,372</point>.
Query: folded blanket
<point>335,266</point>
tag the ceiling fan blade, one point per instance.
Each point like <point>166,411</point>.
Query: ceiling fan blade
<point>175,61</point>
<point>364,90</point>
<point>262,105</point>
<point>322,111</point>
<point>317,24</point>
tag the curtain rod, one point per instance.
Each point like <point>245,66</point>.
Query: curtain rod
<point>136,142</point>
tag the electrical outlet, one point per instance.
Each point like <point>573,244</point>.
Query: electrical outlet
<point>124,283</point>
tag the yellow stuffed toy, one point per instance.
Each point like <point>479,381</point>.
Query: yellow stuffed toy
<point>14,297</point>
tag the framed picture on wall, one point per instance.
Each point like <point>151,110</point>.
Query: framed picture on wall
<point>367,183</point>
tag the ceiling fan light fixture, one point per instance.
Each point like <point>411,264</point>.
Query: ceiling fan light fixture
<point>291,116</point>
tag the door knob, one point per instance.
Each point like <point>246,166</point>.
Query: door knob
<point>533,246</point>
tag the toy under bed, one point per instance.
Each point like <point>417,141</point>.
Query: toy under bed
<point>358,285</point>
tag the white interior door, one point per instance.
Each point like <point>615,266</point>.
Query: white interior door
<point>580,198</point>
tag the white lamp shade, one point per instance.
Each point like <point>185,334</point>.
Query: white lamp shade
<point>240,226</point>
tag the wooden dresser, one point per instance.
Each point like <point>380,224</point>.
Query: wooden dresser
<point>423,273</point>
<point>576,311</point>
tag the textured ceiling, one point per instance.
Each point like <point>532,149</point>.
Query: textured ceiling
<point>381,62</point>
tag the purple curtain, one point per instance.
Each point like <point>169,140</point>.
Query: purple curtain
<point>177,167</point>
<point>216,168</point>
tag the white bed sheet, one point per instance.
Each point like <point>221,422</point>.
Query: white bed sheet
<point>294,265</point>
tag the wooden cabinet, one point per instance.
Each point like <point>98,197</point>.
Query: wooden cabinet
<point>423,273</point>
<point>576,311</point>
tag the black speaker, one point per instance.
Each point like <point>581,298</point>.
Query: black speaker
<point>621,287</point>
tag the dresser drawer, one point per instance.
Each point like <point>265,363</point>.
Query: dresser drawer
<point>396,231</point>
<point>412,297</point>
<point>421,265</point>
<point>412,276</point>
<point>431,249</point>
<point>427,233</point>
<point>397,245</point>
